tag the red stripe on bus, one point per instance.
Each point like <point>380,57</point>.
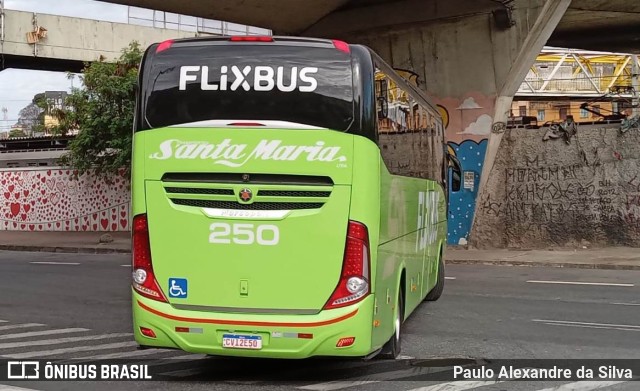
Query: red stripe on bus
<point>248,322</point>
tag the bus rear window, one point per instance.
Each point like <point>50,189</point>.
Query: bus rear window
<point>300,84</point>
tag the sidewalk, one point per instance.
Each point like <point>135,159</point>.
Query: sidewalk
<point>621,258</point>
<point>65,242</point>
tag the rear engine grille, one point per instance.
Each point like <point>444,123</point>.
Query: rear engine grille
<point>254,206</point>
<point>192,190</point>
<point>293,193</point>
<point>248,179</point>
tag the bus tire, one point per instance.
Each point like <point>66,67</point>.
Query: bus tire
<point>437,290</point>
<point>391,349</point>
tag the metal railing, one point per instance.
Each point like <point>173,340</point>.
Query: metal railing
<point>168,20</point>
<point>573,72</point>
<point>578,85</point>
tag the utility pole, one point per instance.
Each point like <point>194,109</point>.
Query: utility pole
<point>6,126</point>
<point>1,35</point>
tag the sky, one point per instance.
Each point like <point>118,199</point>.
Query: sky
<point>17,86</point>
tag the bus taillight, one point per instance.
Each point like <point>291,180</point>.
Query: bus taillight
<point>342,46</point>
<point>164,45</point>
<point>354,279</point>
<point>144,281</point>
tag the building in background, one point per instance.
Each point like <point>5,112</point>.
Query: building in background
<point>588,86</point>
<point>558,111</point>
<point>52,101</point>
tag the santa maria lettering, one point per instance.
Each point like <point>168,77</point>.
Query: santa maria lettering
<point>229,154</point>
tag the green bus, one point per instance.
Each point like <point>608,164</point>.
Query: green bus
<point>287,198</point>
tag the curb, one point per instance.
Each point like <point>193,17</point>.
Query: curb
<point>568,265</point>
<point>65,249</point>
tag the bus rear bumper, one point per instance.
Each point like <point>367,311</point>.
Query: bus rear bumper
<point>282,336</point>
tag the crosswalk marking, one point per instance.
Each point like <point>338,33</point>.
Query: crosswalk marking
<point>13,345</point>
<point>3,321</point>
<point>583,386</point>
<point>242,382</point>
<point>41,333</point>
<point>184,372</point>
<point>373,378</point>
<point>457,385</point>
<point>337,385</point>
<point>20,326</point>
<point>47,353</point>
<point>131,353</point>
<point>11,388</point>
<point>189,357</point>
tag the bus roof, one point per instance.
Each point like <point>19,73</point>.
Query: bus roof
<point>254,39</point>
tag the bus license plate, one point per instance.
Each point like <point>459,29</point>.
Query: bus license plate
<point>235,341</point>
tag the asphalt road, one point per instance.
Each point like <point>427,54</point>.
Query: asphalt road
<point>62,306</point>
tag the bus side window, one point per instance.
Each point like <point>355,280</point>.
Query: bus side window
<point>456,172</point>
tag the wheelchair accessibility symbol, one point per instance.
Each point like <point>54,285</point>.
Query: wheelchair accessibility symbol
<point>178,288</point>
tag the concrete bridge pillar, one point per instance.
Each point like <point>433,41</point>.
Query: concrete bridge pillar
<point>470,59</point>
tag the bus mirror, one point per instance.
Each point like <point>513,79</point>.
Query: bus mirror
<point>383,108</point>
<point>456,172</point>
<point>382,102</point>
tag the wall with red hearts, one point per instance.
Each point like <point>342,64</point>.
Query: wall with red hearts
<point>52,200</point>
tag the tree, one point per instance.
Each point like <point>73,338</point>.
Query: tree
<point>102,112</point>
<point>16,132</point>
<point>31,118</point>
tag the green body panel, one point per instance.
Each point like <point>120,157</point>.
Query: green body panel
<point>273,274</point>
<point>411,235</point>
<point>280,288</point>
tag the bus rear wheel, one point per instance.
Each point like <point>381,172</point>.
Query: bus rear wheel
<point>391,349</point>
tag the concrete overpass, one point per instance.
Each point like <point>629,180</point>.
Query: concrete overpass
<point>69,42</point>
<point>611,25</point>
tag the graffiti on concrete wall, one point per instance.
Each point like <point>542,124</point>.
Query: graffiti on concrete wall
<point>52,200</point>
<point>560,194</point>
<point>462,203</point>
<point>631,211</point>
<point>409,76</point>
